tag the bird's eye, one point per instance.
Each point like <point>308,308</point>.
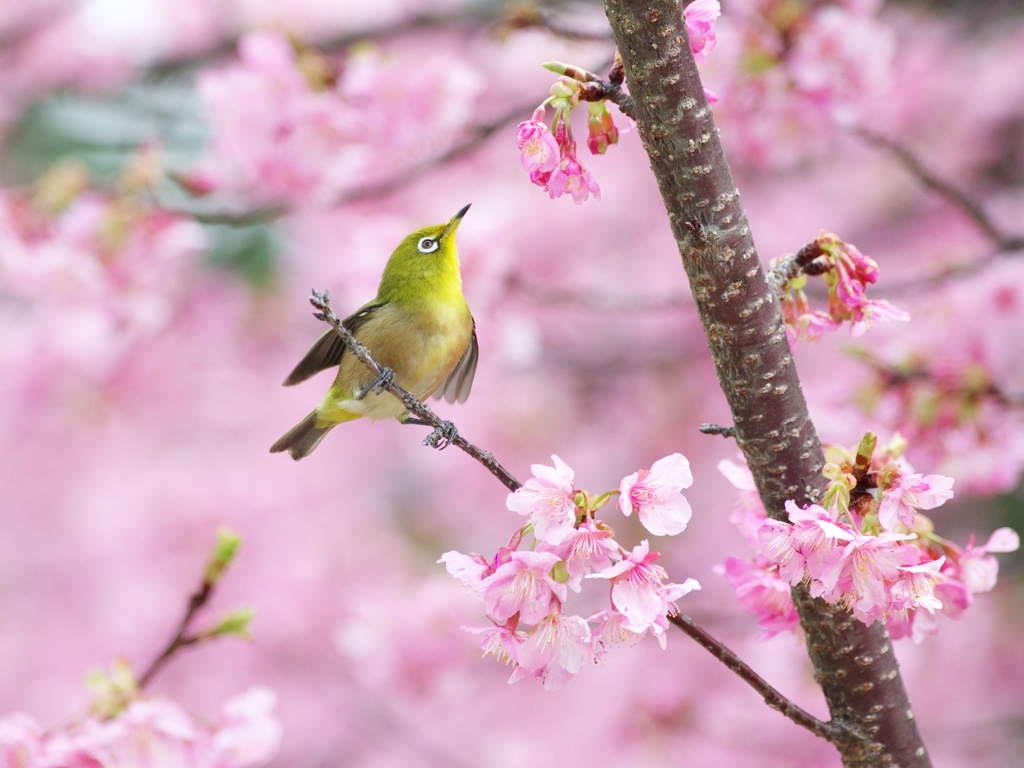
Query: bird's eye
<point>427,245</point>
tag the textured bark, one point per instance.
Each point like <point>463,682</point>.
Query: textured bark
<point>743,321</point>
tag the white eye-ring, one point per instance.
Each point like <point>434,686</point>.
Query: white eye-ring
<point>427,245</point>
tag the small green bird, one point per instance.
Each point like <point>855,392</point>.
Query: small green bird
<point>419,326</point>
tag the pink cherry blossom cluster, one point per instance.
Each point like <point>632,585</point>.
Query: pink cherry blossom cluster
<point>569,545</point>
<point>866,547</point>
<point>847,273</point>
<point>88,276</point>
<point>550,154</point>
<point>149,732</point>
<point>551,157</point>
<point>288,130</point>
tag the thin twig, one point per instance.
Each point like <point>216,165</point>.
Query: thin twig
<point>322,302</point>
<point>715,429</point>
<point>772,697</point>
<point>475,15</point>
<point>535,17</point>
<point>476,136</point>
<point>590,299</point>
<point>181,639</point>
<point>1005,242</point>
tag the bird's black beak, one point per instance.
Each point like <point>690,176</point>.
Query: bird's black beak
<point>452,225</point>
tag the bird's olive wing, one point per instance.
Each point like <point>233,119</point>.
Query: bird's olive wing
<point>328,349</point>
<point>456,387</point>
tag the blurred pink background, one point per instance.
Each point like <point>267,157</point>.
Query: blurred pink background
<point>142,353</point>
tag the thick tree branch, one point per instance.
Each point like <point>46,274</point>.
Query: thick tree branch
<point>746,334</point>
<point>771,696</point>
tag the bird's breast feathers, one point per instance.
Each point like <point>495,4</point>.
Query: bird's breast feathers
<point>421,345</point>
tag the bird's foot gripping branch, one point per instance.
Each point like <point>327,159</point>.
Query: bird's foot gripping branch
<point>418,411</point>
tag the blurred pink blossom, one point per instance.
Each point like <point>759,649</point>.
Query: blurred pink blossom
<point>281,138</point>
<point>150,732</point>
<point>761,592</point>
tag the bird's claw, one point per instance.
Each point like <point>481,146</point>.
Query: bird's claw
<point>385,379</point>
<point>442,436</point>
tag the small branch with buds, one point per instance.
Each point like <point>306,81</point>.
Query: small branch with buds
<point>444,433</point>
<point>593,88</point>
<point>233,623</point>
<point>772,697</point>
<point>803,261</point>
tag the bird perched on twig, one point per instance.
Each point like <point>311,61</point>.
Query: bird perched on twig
<point>418,326</point>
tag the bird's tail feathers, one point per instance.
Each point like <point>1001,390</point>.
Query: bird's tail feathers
<point>301,439</point>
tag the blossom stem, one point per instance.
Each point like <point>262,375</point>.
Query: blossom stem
<point>772,697</point>
<point>322,302</point>
<point>600,500</point>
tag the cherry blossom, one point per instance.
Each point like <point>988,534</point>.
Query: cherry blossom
<point>916,587</point>
<point>656,495</point>
<point>523,585</point>
<point>602,132</point>
<point>978,569</point>
<point>862,571</point>
<point>151,732</point>
<point>547,499</point>
<point>556,650</point>
<point>909,492</point>
<point>588,548</point>
<point>539,149</point>
<point>638,591</point>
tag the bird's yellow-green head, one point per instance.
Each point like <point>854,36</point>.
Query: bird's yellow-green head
<point>424,265</point>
